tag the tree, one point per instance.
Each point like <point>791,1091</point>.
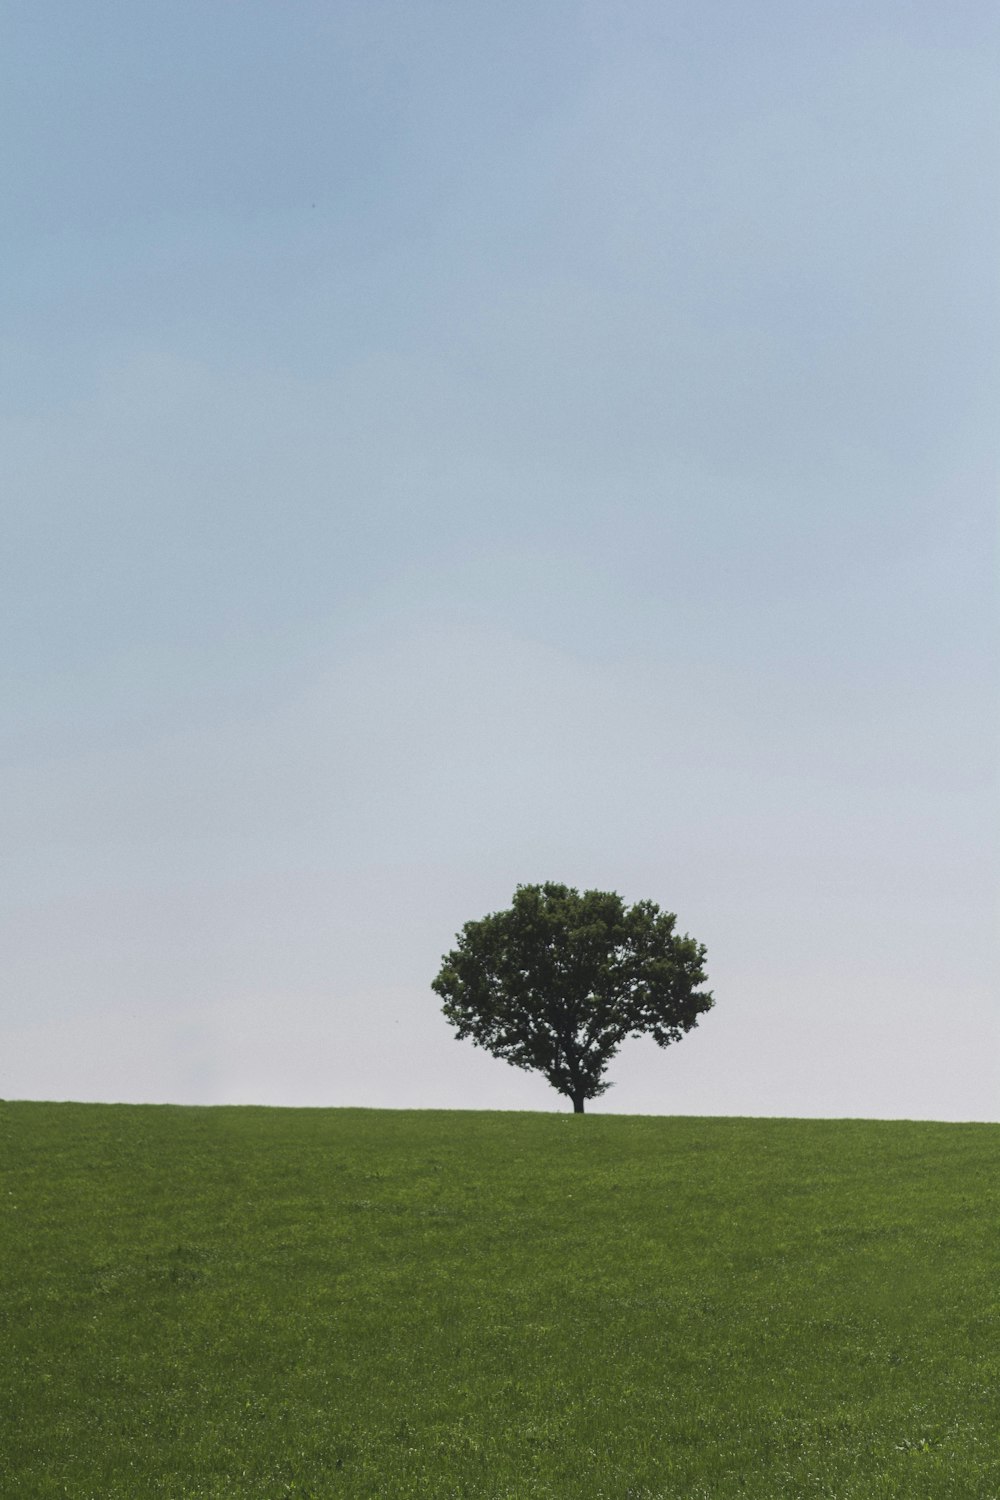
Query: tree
<point>557,982</point>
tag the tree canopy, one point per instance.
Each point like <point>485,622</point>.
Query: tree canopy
<point>557,982</point>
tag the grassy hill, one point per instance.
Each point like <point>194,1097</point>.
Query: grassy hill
<point>242,1303</point>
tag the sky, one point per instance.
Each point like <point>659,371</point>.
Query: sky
<point>447,446</point>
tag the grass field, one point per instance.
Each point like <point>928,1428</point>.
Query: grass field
<point>208,1303</point>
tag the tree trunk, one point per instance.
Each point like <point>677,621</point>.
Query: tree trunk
<point>577,1103</point>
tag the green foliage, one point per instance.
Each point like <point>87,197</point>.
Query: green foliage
<point>221,1304</point>
<point>557,982</point>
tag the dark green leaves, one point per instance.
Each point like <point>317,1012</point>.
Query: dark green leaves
<point>558,981</point>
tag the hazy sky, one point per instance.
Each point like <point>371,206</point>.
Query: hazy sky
<point>448,445</point>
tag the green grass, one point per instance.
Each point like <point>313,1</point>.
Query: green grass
<point>209,1303</point>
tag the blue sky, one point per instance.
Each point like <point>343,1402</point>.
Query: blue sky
<point>448,446</point>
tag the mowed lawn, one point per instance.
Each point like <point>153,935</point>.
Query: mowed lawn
<point>253,1303</point>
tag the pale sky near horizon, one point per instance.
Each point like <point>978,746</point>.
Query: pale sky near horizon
<point>449,445</point>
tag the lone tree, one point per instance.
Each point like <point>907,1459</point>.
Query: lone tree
<point>556,983</point>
